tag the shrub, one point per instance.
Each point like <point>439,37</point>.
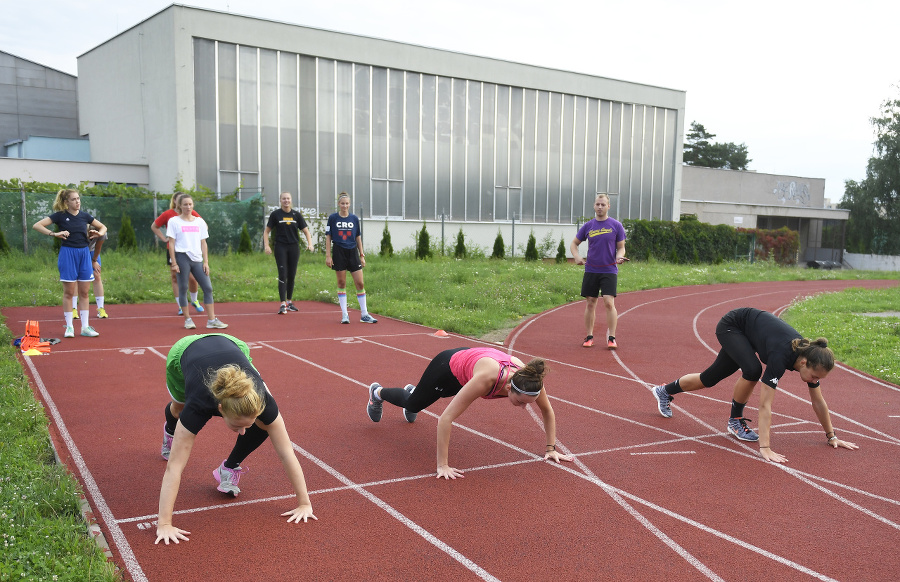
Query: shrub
<point>246,245</point>
<point>561,252</point>
<point>127,238</point>
<point>460,251</point>
<point>531,253</point>
<point>423,244</point>
<point>387,249</point>
<point>499,247</point>
<point>4,246</point>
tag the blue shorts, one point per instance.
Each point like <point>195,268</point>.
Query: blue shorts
<point>75,264</point>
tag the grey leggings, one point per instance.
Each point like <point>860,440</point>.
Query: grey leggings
<point>185,267</point>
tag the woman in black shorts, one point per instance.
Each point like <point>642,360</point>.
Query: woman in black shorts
<point>212,375</point>
<point>287,224</point>
<point>343,229</point>
<point>744,334</point>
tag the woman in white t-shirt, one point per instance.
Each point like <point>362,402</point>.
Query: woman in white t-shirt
<point>187,236</point>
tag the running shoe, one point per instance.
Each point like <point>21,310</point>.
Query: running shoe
<point>611,343</point>
<point>291,307</point>
<point>75,313</point>
<point>101,313</point>
<point>167,444</point>
<point>228,479</point>
<point>180,312</point>
<point>345,319</point>
<point>663,398</point>
<point>368,319</point>
<point>89,331</point>
<point>215,324</point>
<point>588,341</point>
<point>374,407</point>
<point>282,310</point>
<point>197,306</point>
<point>189,324</point>
<point>738,427</point>
<point>409,416</point>
<point>70,331</point>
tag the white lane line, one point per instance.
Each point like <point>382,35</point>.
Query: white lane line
<point>124,549</point>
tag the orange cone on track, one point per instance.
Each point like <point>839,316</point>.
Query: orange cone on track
<point>440,333</point>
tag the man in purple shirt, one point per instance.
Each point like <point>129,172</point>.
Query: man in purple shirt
<point>606,251</point>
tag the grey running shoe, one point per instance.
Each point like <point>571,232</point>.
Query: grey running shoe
<point>215,324</point>
<point>368,319</point>
<point>290,307</point>
<point>228,479</point>
<point>345,319</point>
<point>374,407</point>
<point>663,399</point>
<point>167,443</point>
<point>409,416</point>
<point>189,324</point>
<point>738,427</point>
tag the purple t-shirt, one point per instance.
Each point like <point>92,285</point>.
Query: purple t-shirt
<point>602,237</point>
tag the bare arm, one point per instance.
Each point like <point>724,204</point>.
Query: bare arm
<point>821,409</point>
<point>620,251</point>
<point>309,245</point>
<point>543,403</point>
<point>43,227</point>
<point>573,247</point>
<point>266,246</point>
<point>328,262</point>
<point>182,443</point>
<point>362,254</point>
<point>157,231</point>
<point>483,378</point>
<point>285,450</point>
<point>766,396</point>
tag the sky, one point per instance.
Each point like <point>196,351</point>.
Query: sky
<point>796,81</point>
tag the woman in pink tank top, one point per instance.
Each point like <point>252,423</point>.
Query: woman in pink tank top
<point>465,375</point>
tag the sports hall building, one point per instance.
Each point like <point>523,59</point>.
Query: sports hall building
<point>413,133</point>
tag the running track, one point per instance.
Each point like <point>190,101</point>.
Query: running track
<point>648,498</point>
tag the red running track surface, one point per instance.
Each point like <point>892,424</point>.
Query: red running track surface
<point>648,498</point>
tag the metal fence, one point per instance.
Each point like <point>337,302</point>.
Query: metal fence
<point>20,210</point>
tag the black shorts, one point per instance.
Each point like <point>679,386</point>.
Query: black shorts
<point>345,259</point>
<point>596,284</point>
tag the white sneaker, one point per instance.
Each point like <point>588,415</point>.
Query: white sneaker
<point>70,331</point>
<point>189,324</point>
<point>215,324</point>
<point>89,332</point>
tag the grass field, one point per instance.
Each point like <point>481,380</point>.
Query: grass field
<point>43,535</point>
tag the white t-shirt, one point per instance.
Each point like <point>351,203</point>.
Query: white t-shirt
<point>187,235</point>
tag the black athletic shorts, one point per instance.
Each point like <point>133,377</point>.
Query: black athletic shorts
<point>596,284</point>
<point>345,259</point>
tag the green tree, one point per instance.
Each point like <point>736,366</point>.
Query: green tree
<point>561,252</point>
<point>245,246</point>
<point>460,251</point>
<point>531,253</point>
<point>499,247</point>
<point>699,150</point>
<point>127,239</point>
<point>387,249</point>
<point>423,244</point>
<point>874,203</point>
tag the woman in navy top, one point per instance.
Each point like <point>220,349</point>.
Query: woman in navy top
<point>748,336</point>
<point>343,230</point>
<point>76,269</point>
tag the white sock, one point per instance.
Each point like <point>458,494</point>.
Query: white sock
<point>68,316</point>
<point>194,296</point>
<point>178,302</point>
<point>361,297</point>
<point>342,300</point>
<point>84,318</point>
<point>99,302</point>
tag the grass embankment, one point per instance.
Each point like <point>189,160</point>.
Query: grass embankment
<point>43,534</point>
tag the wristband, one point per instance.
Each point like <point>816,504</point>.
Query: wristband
<point>765,447</point>
<point>552,447</point>
<point>832,438</point>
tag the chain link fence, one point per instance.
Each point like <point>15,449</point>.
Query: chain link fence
<point>20,210</point>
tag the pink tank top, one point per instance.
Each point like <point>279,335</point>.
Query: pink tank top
<point>462,364</point>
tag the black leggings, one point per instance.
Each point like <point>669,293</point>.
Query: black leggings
<point>437,382</point>
<point>286,257</point>
<point>246,444</point>
<point>736,353</point>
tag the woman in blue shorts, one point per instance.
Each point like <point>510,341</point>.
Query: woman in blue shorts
<point>343,230</point>
<point>76,270</point>
<point>212,375</point>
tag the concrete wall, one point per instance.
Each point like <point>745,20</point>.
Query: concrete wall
<point>73,172</point>
<point>128,104</point>
<point>752,188</point>
<point>35,100</point>
<point>872,262</point>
